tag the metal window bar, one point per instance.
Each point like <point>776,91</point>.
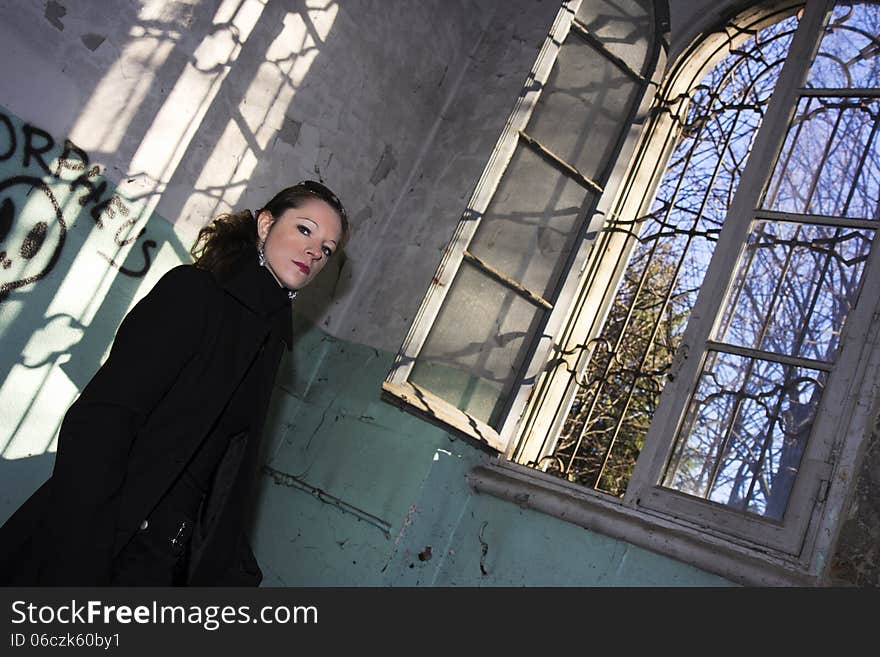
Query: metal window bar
<point>788,156</point>
<point>584,32</point>
<point>798,343</point>
<point>818,174</point>
<point>648,490</point>
<point>773,357</point>
<point>539,397</point>
<point>559,163</point>
<point>659,319</point>
<point>826,365</point>
<point>867,92</point>
<point>815,219</point>
<point>869,145</point>
<point>762,354</point>
<point>725,443</point>
<point>660,314</point>
<point>493,273</point>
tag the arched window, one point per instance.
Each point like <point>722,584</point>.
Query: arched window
<point>667,249</point>
<point>713,369</point>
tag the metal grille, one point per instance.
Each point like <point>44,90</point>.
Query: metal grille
<point>631,358</point>
<point>798,279</point>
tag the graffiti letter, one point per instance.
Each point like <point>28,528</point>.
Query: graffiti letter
<point>92,196</point>
<point>5,121</point>
<point>146,245</point>
<point>7,213</point>
<point>37,153</point>
<point>34,240</point>
<point>64,161</point>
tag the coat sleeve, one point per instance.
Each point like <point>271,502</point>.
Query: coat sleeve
<point>153,344</point>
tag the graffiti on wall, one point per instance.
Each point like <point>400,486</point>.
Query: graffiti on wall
<point>46,189</point>
<point>74,257</point>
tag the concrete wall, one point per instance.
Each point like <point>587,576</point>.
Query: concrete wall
<point>357,492</point>
<point>190,108</point>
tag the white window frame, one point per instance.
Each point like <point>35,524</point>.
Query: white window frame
<point>817,460</point>
<point>397,388</point>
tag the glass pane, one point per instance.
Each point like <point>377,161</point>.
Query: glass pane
<point>745,431</point>
<point>584,104</point>
<point>529,227</point>
<point>477,344</point>
<point>830,163</point>
<point>606,426</point>
<point>631,357</point>
<point>849,55</point>
<point>624,26</point>
<point>795,288</point>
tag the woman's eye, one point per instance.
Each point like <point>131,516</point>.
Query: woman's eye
<point>305,230</point>
<point>327,252</point>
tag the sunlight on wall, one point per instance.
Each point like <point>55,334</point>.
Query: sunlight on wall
<point>65,236</point>
<point>181,115</point>
<point>107,116</point>
<point>261,113</point>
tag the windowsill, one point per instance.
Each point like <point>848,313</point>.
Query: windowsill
<point>739,563</point>
<point>426,405</point>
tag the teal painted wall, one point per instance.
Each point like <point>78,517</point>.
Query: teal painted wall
<point>372,496</point>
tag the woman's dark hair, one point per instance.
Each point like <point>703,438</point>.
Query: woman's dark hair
<point>230,237</point>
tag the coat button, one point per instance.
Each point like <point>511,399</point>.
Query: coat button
<point>145,524</point>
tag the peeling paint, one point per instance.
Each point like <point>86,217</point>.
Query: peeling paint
<point>289,132</point>
<point>55,11</point>
<point>92,41</point>
<point>522,500</point>
<point>484,549</point>
<point>857,558</point>
<point>386,164</point>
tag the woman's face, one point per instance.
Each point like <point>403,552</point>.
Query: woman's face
<point>298,243</point>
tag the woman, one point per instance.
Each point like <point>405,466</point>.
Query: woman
<point>157,457</point>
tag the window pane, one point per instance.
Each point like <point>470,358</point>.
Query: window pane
<point>849,55</point>
<point>586,100</point>
<point>606,426</point>
<point>619,390</point>
<point>528,229</point>
<point>830,163</point>
<point>476,346</point>
<point>745,432</point>
<point>795,287</point>
<point>622,25</point>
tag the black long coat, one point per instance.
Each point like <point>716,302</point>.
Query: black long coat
<point>176,362</point>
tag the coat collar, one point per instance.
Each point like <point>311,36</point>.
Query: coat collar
<point>256,288</point>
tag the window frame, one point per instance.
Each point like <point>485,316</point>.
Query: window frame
<point>397,388</point>
<point>817,463</point>
<point>746,549</point>
<point>706,315</point>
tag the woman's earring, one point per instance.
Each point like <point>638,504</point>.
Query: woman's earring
<point>261,257</point>
<point>291,294</point>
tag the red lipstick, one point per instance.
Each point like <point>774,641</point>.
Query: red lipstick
<point>305,269</point>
